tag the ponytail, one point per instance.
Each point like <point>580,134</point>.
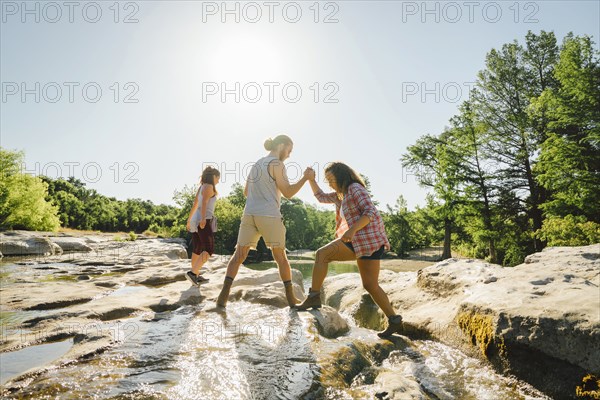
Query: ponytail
<point>271,144</point>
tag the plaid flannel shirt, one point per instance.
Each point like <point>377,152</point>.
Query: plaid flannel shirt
<point>355,204</point>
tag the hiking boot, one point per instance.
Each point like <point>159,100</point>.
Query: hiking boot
<point>394,326</point>
<point>289,294</point>
<point>224,295</point>
<point>313,300</point>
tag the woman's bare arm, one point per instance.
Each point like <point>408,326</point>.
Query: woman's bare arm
<point>207,193</point>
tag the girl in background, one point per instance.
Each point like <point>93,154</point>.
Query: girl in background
<point>200,223</point>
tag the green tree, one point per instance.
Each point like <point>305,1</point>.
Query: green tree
<point>478,185</point>
<point>570,231</point>
<point>321,227</point>
<point>23,202</point>
<point>432,160</point>
<point>569,161</point>
<point>237,196</point>
<point>398,227</point>
<point>229,216</point>
<point>295,219</point>
<point>502,100</point>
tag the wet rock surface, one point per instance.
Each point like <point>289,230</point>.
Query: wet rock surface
<point>140,330</point>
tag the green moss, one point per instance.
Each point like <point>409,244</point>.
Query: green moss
<point>112,273</point>
<point>590,387</point>
<point>348,362</point>
<point>480,328</point>
<point>6,277</point>
<point>54,278</point>
<point>345,365</point>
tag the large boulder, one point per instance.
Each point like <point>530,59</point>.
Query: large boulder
<point>71,244</point>
<point>173,250</point>
<point>19,244</point>
<point>326,321</point>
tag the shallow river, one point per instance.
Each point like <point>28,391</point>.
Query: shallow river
<point>252,351</point>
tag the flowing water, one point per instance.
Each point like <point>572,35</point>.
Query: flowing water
<point>251,351</point>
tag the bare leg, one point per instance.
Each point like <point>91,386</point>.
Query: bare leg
<point>334,251</point>
<point>239,256</point>
<point>194,260</point>
<point>198,260</point>
<point>281,259</point>
<point>369,274</point>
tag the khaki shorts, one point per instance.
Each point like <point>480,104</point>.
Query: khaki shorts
<point>254,226</point>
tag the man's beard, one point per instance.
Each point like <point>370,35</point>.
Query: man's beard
<point>281,155</point>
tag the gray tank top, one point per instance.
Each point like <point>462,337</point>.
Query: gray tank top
<point>264,199</point>
<point>210,211</point>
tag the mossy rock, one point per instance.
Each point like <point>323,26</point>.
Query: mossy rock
<point>347,363</point>
<point>480,326</point>
<point>368,315</point>
<point>590,387</point>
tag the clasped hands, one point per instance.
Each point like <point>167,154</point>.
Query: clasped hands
<point>309,174</point>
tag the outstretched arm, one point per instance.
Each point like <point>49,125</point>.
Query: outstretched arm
<point>315,187</point>
<point>277,170</point>
<point>320,195</point>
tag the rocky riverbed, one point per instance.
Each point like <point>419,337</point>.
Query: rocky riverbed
<point>88,316</point>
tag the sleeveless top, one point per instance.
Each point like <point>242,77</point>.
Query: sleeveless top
<point>264,199</point>
<point>210,211</point>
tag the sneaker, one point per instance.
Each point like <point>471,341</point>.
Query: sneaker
<point>200,279</point>
<point>192,278</point>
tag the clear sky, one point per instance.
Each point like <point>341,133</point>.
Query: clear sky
<point>134,98</point>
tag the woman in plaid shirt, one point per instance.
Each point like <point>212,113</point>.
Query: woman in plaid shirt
<point>360,235</point>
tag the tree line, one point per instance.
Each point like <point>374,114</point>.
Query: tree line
<point>518,167</point>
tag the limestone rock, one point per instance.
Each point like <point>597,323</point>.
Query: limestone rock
<point>329,322</point>
<point>71,244</point>
<point>19,245</point>
<point>396,386</point>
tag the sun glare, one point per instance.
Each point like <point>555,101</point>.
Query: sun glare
<point>246,57</point>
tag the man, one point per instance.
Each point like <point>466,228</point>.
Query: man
<point>262,216</point>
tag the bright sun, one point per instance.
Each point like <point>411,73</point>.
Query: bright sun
<point>246,57</point>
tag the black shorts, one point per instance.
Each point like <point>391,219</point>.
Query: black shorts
<point>377,255</point>
<point>203,240</point>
